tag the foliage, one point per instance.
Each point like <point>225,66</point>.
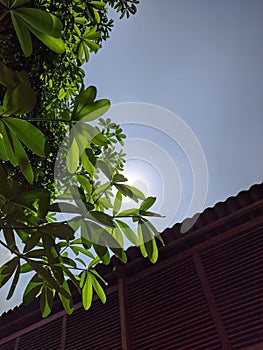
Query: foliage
<point>46,114</point>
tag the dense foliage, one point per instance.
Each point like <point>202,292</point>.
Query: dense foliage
<point>45,115</point>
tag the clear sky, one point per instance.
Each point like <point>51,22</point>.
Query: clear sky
<point>202,60</point>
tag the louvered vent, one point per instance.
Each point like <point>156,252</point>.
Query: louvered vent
<point>97,328</point>
<point>47,337</point>
<point>168,310</point>
<point>8,346</point>
<point>235,271</point>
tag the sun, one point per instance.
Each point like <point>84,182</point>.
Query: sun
<point>144,176</point>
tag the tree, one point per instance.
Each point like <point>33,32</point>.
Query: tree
<point>45,124</point>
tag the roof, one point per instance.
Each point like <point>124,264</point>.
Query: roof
<point>247,205</point>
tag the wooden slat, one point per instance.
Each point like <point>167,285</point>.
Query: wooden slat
<point>235,274</point>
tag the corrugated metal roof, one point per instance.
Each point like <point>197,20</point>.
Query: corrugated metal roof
<point>223,216</point>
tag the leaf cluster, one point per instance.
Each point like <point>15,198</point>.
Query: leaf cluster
<point>45,115</point>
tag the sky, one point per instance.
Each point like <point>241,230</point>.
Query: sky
<point>201,60</point>
<point>193,69</point>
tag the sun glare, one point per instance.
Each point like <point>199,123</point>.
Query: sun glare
<point>143,176</point>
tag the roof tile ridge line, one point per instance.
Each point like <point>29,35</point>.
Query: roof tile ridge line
<point>217,205</point>
<point>206,227</point>
<point>218,222</point>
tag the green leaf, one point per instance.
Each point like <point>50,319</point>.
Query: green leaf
<point>77,250</point>
<point>92,157</point>
<point>94,272</point>
<point>128,232</point>
<point>55,44</point>
<point>107,239</point>
<point>98,4</point>
<point>85,235</point>
<point>91,134</point>
<point>125,190</point>
<point>7,270</point>
<point>152,228</point>
<point>149,242</point>
<point>74,279</point>
<point>99,140</point>
<point>105,202</point>
<point>83,278</point>
<point>49,35</point>
<point>36,253</point>
<point>68,261</point>
<point>85,97</point>
<point>22,33</point>
<point>43,203</point>
<point>8,144</point>
<point>129,212</point>
<point>66,302</point>
<point>3,154</point>
<point>4,13</point>
<point>91,44</point>
<point>105,168</point>
<point>101,189</point>
<point>7,76</point>
<point>82,49</point>
<point>63,207</point>
<point>14,283</point>
<point>23,162</point>
<point>102,251</point>
<point>96,15</point>
<point>84,183</point>
<point>137,193</point>
<point>119,178</point>
<point>10,238</point>
<point>86,163</point>
<point>62,94</point>
<point>22,234</point>
<point>27,199</point>
<point>31,136</point>
<point>98,289</point>
<point>116,233</point>
<point>91,33</point>
<point>82,261</point>
<point>18,3</point>
<point>45,275</point>
<point>102,218</point>
<point>150,213</point>
<point>32,289</point>
<point>25,268</point>
<point>87,292</point>
<point>89,111</point>
<point>94,262</point>
<point>80,20</point>
<point>22,158</point>
<point>152,248</point>
<point>59,230</point>
<point>19,100</point>
<point>147,203</point>
<point>140,239</point>
<point>5,2</point>
<point>117,203</point>
<point>86,52</point>
<point>73,157</point>
<point>42,21</point>
<point>160,238</point>
<point>46,301</point>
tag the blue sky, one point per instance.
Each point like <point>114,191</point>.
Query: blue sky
<point>202,60</point>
